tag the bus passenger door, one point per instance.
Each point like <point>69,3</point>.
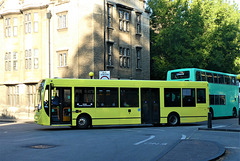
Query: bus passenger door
<point>61,105</point>
<point>150,106</point>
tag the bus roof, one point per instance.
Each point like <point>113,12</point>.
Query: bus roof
<point>204,70</point>
<point>121,83</point>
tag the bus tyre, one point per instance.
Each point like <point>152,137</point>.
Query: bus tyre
<point>173,119</point>
<point>83,122</point>
<point>234,113</point>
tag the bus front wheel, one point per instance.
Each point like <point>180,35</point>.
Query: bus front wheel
<point>173,119</point>
<point>83,122</point>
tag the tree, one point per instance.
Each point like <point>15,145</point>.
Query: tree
<point>201,34</point>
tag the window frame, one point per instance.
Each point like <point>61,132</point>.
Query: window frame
<point>124,16</point>
<point>199,99</point>
<point>110,54</point>
<point>177,101</point>
<point>15,26</point>
<point>84,104</point>
<point>186,97</point>
<point>62,20</point>
<point>127,98</point>
<point>138,23</point>
<point>104,101</point>
<point>138,57</point>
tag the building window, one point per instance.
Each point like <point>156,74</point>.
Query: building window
<point>109,9</point>
<point>13,95</point>
<point>7,27</point>
<point>14,26</point>
<point>128,58</point>
<point>62,59</point>
<point>138,22</point>
<point>28,59</point>
<point>120,56</point>
<point>7,61</point>
<point>124,17</point>
<point>138,58</point>
<point>30,94</point>
<point>35,19</point>
<point>28,23</point>
<point>35,59</point>
<point>124,57</point>
<point>62,20</point>
<point>110,54</point>
<point>15,61</point>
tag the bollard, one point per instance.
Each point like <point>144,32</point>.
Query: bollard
<point>209,120</point>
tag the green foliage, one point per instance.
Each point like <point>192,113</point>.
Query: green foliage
<point>202,34</point>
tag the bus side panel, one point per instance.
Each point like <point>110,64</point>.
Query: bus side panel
<point>187,114</point>
<point>106,116</point>
<point>87,111</point>
<point>130,115</point>
<point>231,101</point>
<point>42,118</point>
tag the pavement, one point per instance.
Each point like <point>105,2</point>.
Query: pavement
<point>186,149</point>
<point>192,150</point>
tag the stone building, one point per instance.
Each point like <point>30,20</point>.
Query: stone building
<point>68,39</point>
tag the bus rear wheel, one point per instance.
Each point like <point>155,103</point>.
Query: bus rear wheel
<point>234,113</point>
<point>83,122</point>
<point>173,119</point>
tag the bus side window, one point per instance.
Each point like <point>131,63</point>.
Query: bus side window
<point>84,97</point>
<point>215,78</point>
<point>217,99</point>
<point>188,97</point>
<point>221,79</point>
<point>203,74</point>
<point>172,97</point>
<point>211,98</point>
<point>233,80</point>
<point>227,79</point>
<point>209,77</point>
<point>201,96</point>
<point>198,76</point>
<point>107,97</point>
<point>129,97</point>
<point>222,100</point>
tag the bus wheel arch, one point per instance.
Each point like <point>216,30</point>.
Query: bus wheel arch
<point>234,112</point>
<point>84,121</point>
<point>173,119</point>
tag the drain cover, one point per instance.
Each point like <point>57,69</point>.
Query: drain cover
<point>42,146</point>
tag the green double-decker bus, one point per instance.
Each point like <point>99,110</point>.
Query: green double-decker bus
<point>223,88</point>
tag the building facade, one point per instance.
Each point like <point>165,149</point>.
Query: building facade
<point>68,39</point>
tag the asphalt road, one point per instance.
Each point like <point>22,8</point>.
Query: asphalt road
<point>30,142</point>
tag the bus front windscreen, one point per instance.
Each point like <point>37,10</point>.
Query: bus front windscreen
<point>180,75</point>
<point>40,94</point>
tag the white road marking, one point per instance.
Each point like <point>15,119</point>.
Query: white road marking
<point>219,126</point>
<point>140,142</point>
<point>183,137</point>
<point>236,148</point>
